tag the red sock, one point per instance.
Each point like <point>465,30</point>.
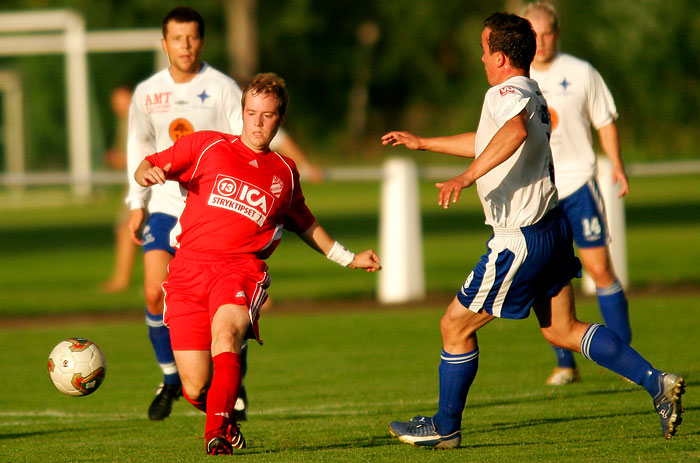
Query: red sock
<point>198,404</point>
<point>223,392</point>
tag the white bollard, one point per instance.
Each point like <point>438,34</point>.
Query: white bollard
<point>615,215</point>
<point>402,277</point>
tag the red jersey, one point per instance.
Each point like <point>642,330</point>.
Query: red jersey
<point>238,200</point>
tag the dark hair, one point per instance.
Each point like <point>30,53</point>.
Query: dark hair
<point>271,84</point>
<point>184,14</point>
<point>513,36</point>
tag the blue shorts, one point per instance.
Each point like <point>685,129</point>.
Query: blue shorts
<point>156,233</point>
<point>520,266</point>
<point>585,211</point>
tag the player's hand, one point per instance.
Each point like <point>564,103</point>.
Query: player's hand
<point>134,224</point>
<point>367,260</point>
<point>156,175</point>
<point>451,189</point>
<point>407,139</point>
<point>619,176</point>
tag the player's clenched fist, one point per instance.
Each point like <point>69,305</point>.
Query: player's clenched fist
<point>147,174</point>
<point>367,260</point>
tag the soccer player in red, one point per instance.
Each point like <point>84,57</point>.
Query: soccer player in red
<point>240,196</point>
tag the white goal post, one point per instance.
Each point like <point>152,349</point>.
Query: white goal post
<point>401,244</point>
<point>63,32</point>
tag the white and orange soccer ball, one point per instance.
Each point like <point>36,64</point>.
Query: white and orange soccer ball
<point>77,367</point>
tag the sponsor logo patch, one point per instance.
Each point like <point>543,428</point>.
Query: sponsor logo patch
<point>179,128</point>
<point>241,197</point>
<point>203,96</point>
<point>158,102</point>
<point>506,90</point>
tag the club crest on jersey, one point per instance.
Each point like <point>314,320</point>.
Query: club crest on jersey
<point>277,186</point>
<point>179,128</point>
<point>241,197</point>
<point>506,90</point>
<point>158,102</point>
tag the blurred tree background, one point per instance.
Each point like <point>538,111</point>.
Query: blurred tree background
<point>357,68</point>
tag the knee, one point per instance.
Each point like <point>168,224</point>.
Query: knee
<point>227,340</point>
<point>454,331</point>
<point>154,299</point>
<point>447,327</point>
<point>552,337</point>
<point>567,336</point>
<point>602,273</point>
<point>195,391</point>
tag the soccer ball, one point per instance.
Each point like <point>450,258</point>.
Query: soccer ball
<point>77,367</point>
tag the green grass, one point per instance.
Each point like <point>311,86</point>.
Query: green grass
<point>55,252</point>
<point>325,385</point>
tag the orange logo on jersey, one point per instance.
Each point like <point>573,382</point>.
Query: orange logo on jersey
<point>554,118</point>
<point>179,128</point>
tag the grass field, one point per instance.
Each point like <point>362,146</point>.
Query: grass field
<point>326,383</point>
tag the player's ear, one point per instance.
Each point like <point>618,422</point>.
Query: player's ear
<point>163,45</point>
<point>503,60</point>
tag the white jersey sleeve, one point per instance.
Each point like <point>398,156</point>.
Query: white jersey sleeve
<point>140,143</point>
<point>505,104</point>
<point>600,105</point>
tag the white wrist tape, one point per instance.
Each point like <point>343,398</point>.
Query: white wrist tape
<point>340,255</point>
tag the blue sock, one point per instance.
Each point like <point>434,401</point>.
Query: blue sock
<point>565,358</point>
<point>457,373</point>
<point>160,339</point>
<point>614,308</point>
<point>603,346</point>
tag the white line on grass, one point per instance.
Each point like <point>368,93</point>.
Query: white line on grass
<point>345,408</point>
<point>335,409</point>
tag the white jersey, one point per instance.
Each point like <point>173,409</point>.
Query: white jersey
<point>163,111</point>
<point>520,191</point>
<point>577,97</point>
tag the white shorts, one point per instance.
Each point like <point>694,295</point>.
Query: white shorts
<point>520,266</point>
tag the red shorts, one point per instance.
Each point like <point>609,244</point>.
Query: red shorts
<point>198,284</point>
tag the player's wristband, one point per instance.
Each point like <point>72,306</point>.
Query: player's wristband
<point>340,255</point>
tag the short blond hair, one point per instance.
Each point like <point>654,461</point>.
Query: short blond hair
<point>268,83</point>
<point>545,8</point>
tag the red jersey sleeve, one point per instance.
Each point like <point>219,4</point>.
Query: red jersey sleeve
<point>298,218</point>
<point>183,155</point>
